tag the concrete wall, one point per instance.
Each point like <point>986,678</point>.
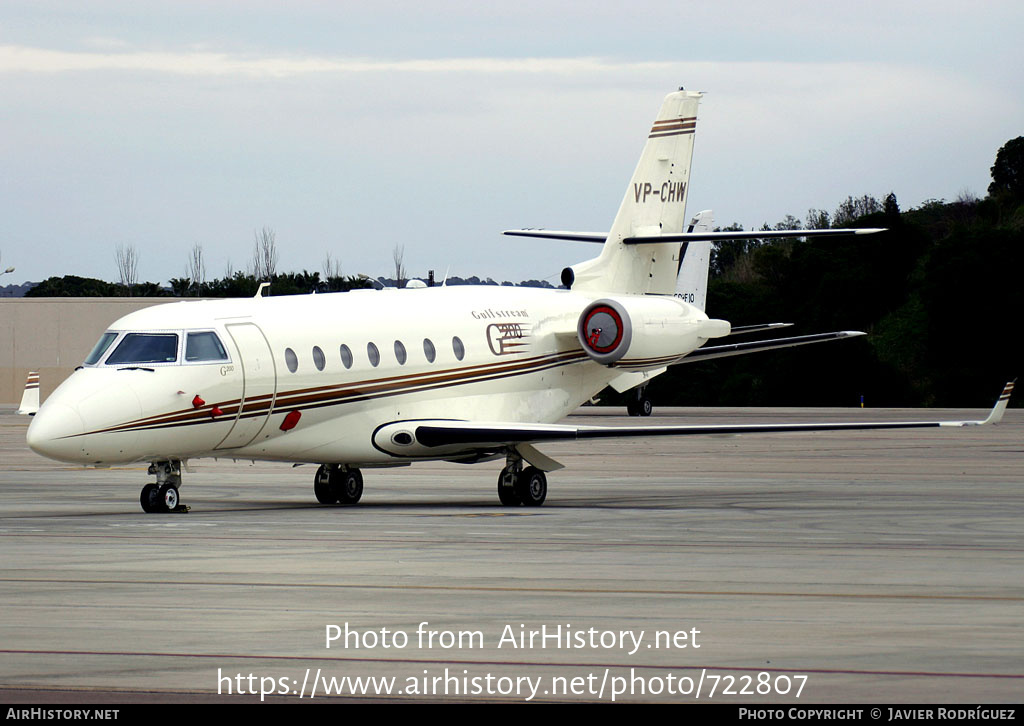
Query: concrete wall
<point>52,335</point>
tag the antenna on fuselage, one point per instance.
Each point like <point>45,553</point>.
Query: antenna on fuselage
<point>259,293</point>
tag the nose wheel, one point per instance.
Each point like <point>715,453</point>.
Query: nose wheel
<point>162,497</point>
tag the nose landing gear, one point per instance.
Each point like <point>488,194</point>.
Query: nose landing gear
<point>162,497</point>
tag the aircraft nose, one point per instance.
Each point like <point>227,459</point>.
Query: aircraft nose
<point>53,430</point>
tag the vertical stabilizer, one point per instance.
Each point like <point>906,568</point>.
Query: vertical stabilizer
<point>30,398</point>
<point>694,262</point>
<point>655,203</point>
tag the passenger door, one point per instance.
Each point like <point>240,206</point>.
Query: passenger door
<point>259,384</point>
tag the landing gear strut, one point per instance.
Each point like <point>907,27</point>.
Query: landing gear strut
<point>335,483</point>
<point>162,496</point>
<point>517,485</point>
<point>640,405</point>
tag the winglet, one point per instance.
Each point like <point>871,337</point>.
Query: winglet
<point>30,398</point>
<point>997,411</point>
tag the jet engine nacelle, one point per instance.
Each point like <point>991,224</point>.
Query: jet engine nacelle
<point>644,332</point>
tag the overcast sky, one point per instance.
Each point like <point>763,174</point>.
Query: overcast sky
<point>350,128</point>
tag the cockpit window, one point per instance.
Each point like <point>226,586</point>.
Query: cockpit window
<point>145,348</point>
<point>205,346</point>
<point>100,348</point>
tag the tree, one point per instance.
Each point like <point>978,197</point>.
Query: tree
<point>398,254</point>
<point>264,255</point>
<point>1008,171</point>
<point>890,206</point>
<point>197,270</point>
<point>789,222</point>
<point>331,267</point>
<point>180,286</point>
<point>127,266</point>
<point>73,286</point>
<point>332,278</point>
<point>818,219</point>
<point>853,209</point>
<point>726,252</point>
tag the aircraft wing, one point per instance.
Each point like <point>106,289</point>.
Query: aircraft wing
<point>444,438</point>
<point>751,234</point>
<point>755,346</point>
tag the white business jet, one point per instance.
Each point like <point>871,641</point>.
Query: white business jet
<point>386,378</point>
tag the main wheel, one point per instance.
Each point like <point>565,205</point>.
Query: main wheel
<point>644,406</point>
<point>150,498</point>
<point>507,489</point>
<point>631,408</point>
<point>347,485</point>
<point>322,488</point>
<point>532,487</point>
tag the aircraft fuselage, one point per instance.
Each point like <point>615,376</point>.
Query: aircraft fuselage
<point>310,378</point>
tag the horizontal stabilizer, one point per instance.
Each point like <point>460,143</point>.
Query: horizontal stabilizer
<point>554,234</point>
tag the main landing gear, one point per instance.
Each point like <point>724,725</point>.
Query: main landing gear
<point>162,497</point>
<point>517,485</point>
<point>339,484</point>
<point>640,405</point>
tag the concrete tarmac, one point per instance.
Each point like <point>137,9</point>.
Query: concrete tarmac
<point>798,568</point>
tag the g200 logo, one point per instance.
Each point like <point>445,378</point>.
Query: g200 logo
<point>506,338</point>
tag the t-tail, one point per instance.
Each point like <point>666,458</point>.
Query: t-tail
<point>654,204</point>
<point>648,251</point>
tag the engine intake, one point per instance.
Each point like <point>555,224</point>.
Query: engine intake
<point>605,331</point>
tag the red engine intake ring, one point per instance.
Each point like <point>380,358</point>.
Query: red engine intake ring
<point>605,331</point>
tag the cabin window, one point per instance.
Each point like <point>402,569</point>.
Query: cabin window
<point>458,348</point>
<point>145,348</point>
<point>100,348</point>
<point>291,360</point>
<point>373,354</point>
<point>204,346</point>
<point>346,356</point>
<point>400,354</point>
<point>429,350</point>
<point>319,360</point>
